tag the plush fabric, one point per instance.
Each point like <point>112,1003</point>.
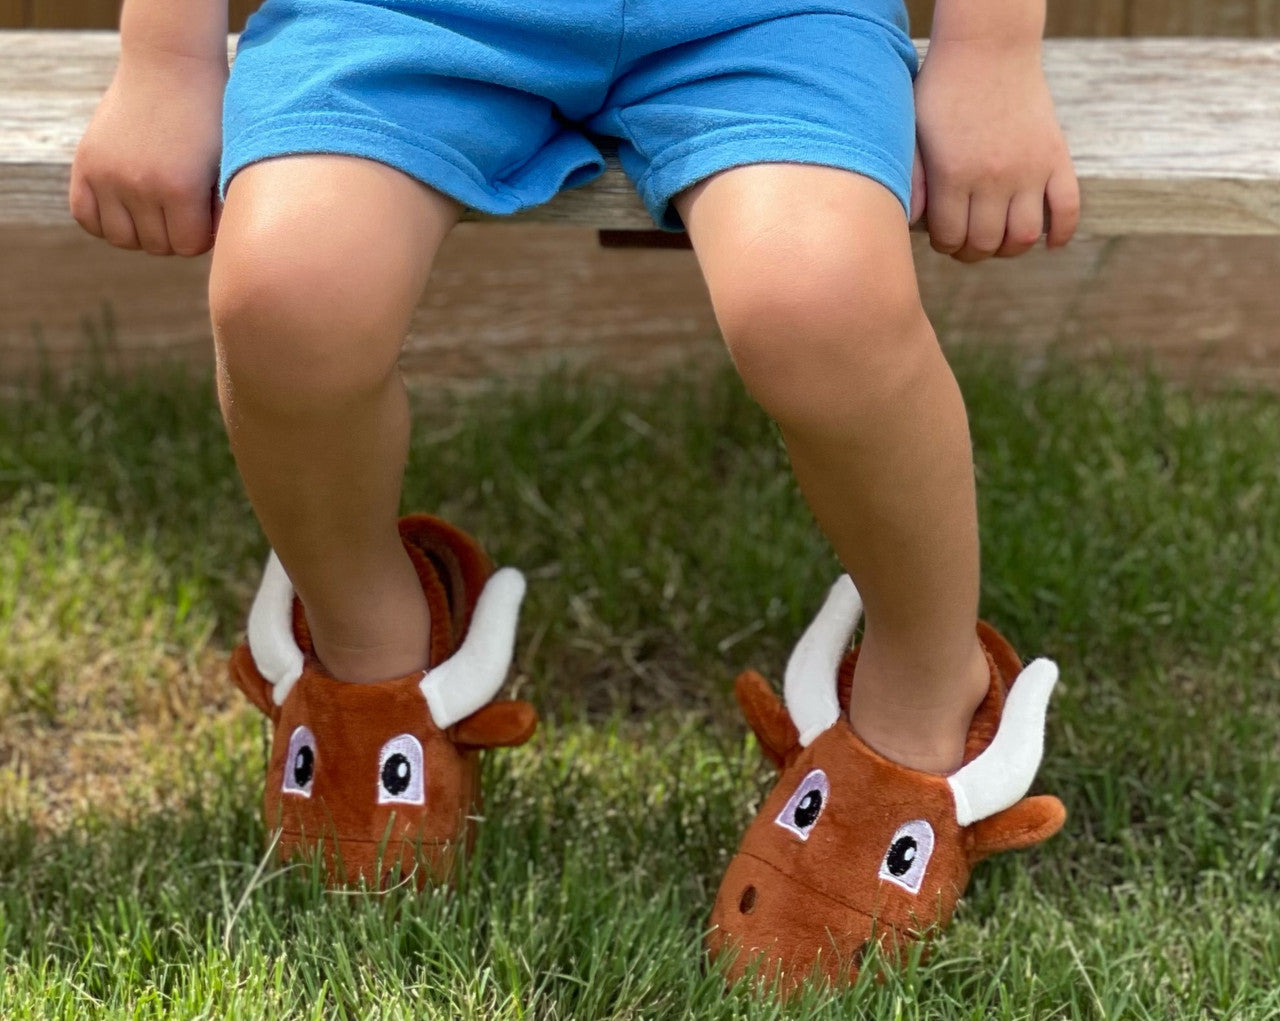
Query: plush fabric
<point>354,795</point>
<point>805,896</point>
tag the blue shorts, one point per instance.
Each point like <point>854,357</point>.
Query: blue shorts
<point>495,102</point>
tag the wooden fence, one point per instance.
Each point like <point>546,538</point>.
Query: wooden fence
<point>1066,17</point>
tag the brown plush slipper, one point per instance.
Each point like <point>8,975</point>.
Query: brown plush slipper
<point>383,779</point>
<point>851,849</point>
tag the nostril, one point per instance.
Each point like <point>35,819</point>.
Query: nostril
<point>748,902</point>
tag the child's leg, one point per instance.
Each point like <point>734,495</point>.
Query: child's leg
<point>318,264</point>
<point>810,272</point>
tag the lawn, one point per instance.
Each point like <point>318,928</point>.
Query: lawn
<point>1131,530</point>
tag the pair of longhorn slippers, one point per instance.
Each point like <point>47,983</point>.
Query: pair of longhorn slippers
<point>380,782</point>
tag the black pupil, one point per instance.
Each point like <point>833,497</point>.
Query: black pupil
<point>396,774</point>
<point>901,856</point>
<point>304,764</point>
<point>808,809</point>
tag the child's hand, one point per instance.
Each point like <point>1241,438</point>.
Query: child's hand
<point>991,163</point>
<point>145,170</point>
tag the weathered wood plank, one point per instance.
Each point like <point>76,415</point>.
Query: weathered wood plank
<point>509,301</point>
<point>1169,135</point>
<point>1172,134</point>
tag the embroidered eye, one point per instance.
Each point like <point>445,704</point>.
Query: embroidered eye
<point>908,855</point>
<point>400,771</point>
<point>800,813</point>
<point>300,763</point>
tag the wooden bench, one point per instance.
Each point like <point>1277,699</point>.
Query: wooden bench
<point>1168,135</point>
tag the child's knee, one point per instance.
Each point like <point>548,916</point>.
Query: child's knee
<point>823,337</point>
<point>293,325</point>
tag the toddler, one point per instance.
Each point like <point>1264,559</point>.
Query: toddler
<point>794,140</point>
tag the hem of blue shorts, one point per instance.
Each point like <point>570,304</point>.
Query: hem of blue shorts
<point>438,165</point>
<point>689,162</point>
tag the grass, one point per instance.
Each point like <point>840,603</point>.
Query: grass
<point>1130,530</point>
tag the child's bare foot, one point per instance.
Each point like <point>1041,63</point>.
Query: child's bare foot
<point>922,726</point>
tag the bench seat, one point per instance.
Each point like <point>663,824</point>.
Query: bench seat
<point>1168,135</point>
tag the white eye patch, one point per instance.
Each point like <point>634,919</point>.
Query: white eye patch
<point>908,855</point>
<point>300,763</point>
<point>400,771</point>
<point>800,814</point>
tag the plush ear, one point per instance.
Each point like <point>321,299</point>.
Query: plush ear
<point>1028,822</point>
<point>767,717</point>
<point>496,725</point>
<point>245,676</point>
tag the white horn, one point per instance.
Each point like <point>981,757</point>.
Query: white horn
<point>810,683</point>
<point>271,642</point>
<point>1001,775</point>
<point>470,677</point>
